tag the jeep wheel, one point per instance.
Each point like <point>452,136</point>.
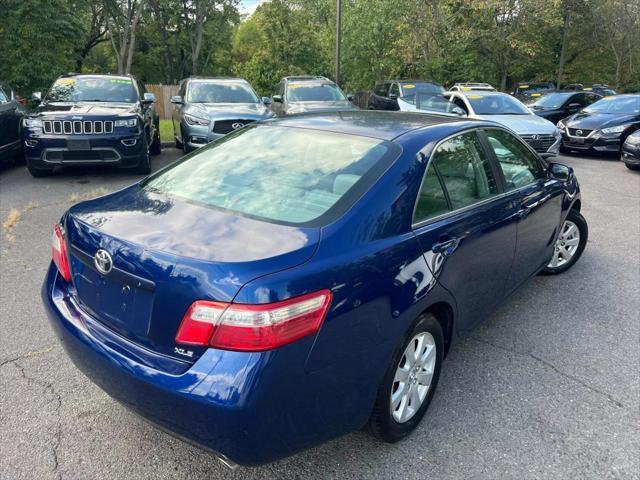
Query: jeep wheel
<point>38,172</point>
<point>144,164</point>
<point>156,144</point>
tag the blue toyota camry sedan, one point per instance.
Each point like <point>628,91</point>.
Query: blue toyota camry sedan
<point>305,276</point>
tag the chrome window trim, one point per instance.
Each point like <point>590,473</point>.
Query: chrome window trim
<point>442,216</point>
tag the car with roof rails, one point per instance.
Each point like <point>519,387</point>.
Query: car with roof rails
<point>559,104</point>
<point>532,89</point>
<point>603,126</point>
<point>465,87</point>
<point>305,276</point>
<point>309,93</point>
<point>11,112</point>
<point>92,119</point>
<point>385,94</point>
<point>542,135</point>
<point>207,108</point>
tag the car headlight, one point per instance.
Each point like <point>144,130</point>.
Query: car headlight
<point>127,122</point>
<point>31,122</point>
<point>191,120</point>
<point>618,129</point>
<point>560,125</point>
<point>633,139</point>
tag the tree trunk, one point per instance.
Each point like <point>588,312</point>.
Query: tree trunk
<point>565,36</point>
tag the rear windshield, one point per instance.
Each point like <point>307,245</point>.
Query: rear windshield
<point>219,92</point>
<point>286,175</point>
<point>93,89</point>
<point>309,92</point>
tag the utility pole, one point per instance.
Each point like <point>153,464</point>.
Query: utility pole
<point>338,35</point>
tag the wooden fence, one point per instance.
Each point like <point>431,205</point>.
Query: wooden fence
<point>163,95</point>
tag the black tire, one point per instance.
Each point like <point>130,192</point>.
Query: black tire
<point>144,163</point>
<point>178,143</point>
<point>632,167</point>
<point>38,172</point>
<point>382,423</point>
<point>156,144</point>
<point>575,217</point>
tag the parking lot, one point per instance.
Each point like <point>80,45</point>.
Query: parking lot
<point>547,388</point>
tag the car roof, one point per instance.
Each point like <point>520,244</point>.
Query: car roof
<point>98,75</point>
<point>307,78</point>
<point>484,93</point>
<point>221,79</point>
<point>379,124</point>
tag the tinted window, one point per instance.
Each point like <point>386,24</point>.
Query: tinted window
<point>93,89</point>
<point>431,200</point>
<point>290,175</point>
<point>551,100</point>
<point>493,104</point>
<point>394,90</point>
<point>309,92</point>
<point>217,92</point>
<point>410,90</point>
<point>430,103</point>
<point>519,165</point>
<point>465,170</point>
<point>381,89</point>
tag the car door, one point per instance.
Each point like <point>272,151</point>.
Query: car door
<point>278,107</point>
<point>176,111</point>
<point>465,225</point>
<point>378,98</point>
<point>394,94</point>
<point>537,199</point>
<point>149,112</point>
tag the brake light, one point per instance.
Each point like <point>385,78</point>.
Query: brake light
<point>22,101</point>
<point>253,328</point>
<point>59,252</point>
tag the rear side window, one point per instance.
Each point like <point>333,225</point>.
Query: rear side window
<point>459,175</point>
<point>3,97</point>
<point>286,175</point>
<point>518,164</point>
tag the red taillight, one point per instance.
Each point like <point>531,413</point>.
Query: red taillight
<point>22,101</point>
<point>59,252</point>
<point>253,328</point>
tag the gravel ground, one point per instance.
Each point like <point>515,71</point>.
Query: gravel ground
<point>548,387</point>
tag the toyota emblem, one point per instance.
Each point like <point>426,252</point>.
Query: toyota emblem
<point>103,262</point>
<point>579,132</point>
<point>237,125</point>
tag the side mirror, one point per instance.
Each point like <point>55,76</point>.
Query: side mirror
<point>574,106</point>
<point>177,100</point>
<point>560,172</point>
<point>277,98</point>
<point>351,97</point>
<point>459,111</point>
<point>36,96</point>
<point>148,98</point>
<point>266,100</point>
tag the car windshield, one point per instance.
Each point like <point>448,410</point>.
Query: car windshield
<point>533,88</point>
<point>287,175</point>
<point>93,89</point>
<point>496,105</point>
<point>551,100</point>
<point>616,105</point>
<point>409,90</point>
<point>314,92</point>
<point>430,103</point>
<point>220,92</point>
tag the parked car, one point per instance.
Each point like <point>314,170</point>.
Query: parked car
<point>603,126</point>
<point>385,94</point>
<point>599,88</point>
<point>430,103</point>
<point>631,151</point>
<point>532,89</point>
<point>306,276</point>
<point>465,87</point>
<point>11,112</point>
<point>92,120</point>
<point>542,135</point>
<point>306,93</point>
<point>208,108</point>
<point>555,106</point>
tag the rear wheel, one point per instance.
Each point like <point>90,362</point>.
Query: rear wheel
<point>569,245</point>
<point>409,382</point>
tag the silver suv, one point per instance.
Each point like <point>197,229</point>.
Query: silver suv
<point>309,93</point>
<point>209,108</point>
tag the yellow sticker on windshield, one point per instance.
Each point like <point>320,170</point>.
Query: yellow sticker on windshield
<point>66,81</point>
<point>120,80</point>
<point>474,96</point>
<point>587,88</point>
<point>466,89</point>
<point>610,97</point>
<point>294,85</point>
<point>523,86</point>
<point>409,85</point>
<point>535,94</point>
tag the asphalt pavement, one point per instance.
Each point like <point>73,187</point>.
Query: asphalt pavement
<point>548,387</point>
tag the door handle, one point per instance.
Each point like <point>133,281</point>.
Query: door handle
<point>525,209</point>
<point>446,247</point>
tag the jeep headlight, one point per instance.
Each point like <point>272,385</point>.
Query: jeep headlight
<point>31,122</point>
<point>126,122</point>
<point>191,120</point>
<point>618,129</point>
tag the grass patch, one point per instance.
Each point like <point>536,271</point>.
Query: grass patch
<point>10,222</point>
<point>96,192</point>
<point>166,131</point>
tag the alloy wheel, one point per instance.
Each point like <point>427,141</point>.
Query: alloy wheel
<point>566,244</point>
<point>413,376</point>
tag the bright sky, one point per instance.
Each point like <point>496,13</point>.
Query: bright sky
<point>249,6</point>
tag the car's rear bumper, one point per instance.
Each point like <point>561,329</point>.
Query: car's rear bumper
<point>251,408</point>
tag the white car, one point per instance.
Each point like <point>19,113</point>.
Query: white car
<point>542,135</point>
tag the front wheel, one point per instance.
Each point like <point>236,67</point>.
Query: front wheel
<point>409,382</point>
<point>569,245</point>
<point>37,172</point>
<point>144,163</point>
